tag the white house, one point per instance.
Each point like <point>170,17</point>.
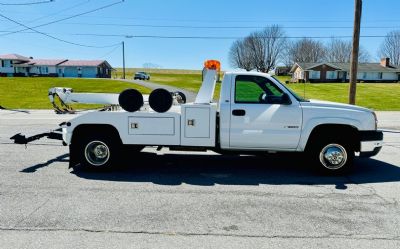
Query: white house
<point>8,61</point>
<point>339,72</point>
<point>17,65</point>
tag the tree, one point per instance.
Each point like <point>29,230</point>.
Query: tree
<point>239,55</point>
<point>340,51</point>
<point>267,47</point>
<point>260,50</point>
<point>306,50</point>
<point>390,47</point>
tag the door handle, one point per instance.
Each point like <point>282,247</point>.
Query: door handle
<point>238,112</point>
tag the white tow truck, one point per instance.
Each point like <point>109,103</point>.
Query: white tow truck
<point>255,114</point>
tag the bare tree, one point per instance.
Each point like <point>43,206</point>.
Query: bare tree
<point>286,57</point>
<point>239,55</point>
<point>391,47</point>
<point>340,51</point>
<point>306,50</point>
<point>267,47</point>
<point>261,50</point>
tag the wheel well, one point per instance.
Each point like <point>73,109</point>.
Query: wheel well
<point>95,129</point>
<point>335,130</point>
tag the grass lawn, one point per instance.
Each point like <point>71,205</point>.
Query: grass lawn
<point>377,96</point>
<point>31,93</point>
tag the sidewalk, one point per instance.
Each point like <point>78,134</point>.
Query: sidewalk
<point>388,120</point>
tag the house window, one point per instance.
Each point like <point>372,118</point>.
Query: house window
<point>364,75</point>
<point>331,75</point>
<point>315,74</point>
<point>380,76</point>
<point>44,70</point>
<point>2,63</point>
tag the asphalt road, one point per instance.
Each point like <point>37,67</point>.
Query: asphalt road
<point>175,200</point>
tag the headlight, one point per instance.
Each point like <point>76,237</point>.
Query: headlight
<point>376,120</point>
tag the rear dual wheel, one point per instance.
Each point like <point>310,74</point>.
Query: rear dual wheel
<point>98,152</point>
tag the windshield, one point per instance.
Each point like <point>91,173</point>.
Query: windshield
<point>292,92</point>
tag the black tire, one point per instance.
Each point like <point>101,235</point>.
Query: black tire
<point>160,100</point>
<point>183,97</point>
<point>131,100</point>
<point>331,156</point>
<point>97,151</point>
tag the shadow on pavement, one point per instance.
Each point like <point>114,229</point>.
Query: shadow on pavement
<point>34,168</point>
<point>207,170</point>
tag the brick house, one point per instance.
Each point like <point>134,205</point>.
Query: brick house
<point>339,72</point>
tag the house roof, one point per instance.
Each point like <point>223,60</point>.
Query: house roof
<point>43,62</point>
<point>25,61</point>
<point>84,63</point>
<point>13,57</point>
<point>362,67</point>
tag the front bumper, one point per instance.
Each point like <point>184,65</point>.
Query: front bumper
<point>371,143</point>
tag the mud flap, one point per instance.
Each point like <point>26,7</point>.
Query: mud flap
<point>73,157</point>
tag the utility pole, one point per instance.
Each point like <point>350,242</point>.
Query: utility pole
<point>355,51</point>
<point>123,60</point>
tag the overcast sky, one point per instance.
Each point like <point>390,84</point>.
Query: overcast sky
<point>178,18</point>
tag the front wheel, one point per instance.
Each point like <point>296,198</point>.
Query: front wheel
<point>332,156</point>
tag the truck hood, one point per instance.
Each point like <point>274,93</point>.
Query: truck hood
<point>328,104</point>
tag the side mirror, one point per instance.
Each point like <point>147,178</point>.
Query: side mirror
<point>285,99</point>
<point>279,100</point>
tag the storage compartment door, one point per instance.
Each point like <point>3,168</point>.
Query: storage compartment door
<point>151,126</point>
<point>197,122</point>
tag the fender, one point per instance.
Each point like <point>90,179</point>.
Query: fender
<point>314,122</point>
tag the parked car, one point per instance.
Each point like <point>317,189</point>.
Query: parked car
<point>141,76</point>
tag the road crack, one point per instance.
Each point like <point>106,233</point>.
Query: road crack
<point>189,234</point>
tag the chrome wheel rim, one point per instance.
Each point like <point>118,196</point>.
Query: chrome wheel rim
<point>97,153</point>
<point>333,156</point>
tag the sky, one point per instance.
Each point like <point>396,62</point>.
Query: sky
<point>98,35</point>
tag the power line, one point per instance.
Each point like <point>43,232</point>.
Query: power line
<point>109,52</point>
<point>53,14</point>
<point>204,37</point>
<point>219,37</point>
<point>226,27</point>
<point>66,18</point>
<point>61,11</point>
<point>55,38</point>
<point>29,3</point>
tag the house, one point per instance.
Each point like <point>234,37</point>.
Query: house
<point>35,67</point>
<point>339,72</point>
<point>17,65</point>
<point>85,69</point>
<point>282,71</point>
<point>8,61</point>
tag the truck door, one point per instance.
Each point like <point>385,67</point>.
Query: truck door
<point>258,123</point>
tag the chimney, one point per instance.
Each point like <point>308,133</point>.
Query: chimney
<point>385,62</point>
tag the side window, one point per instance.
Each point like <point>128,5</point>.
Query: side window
<point>254,89</point>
